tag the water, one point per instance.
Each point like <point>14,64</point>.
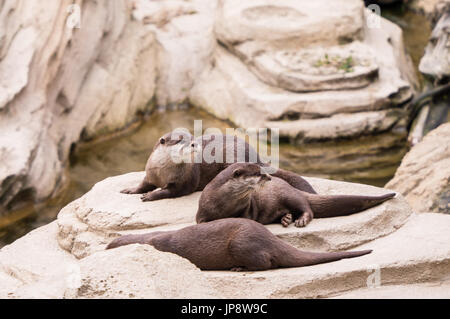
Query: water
<point>371,160</point>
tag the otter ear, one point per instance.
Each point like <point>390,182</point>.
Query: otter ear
<point>237,172</point>
<point>162,140</point>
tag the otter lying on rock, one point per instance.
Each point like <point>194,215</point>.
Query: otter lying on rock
<point>176,179</point>
<point>242,190</point>
<point>232,243</point>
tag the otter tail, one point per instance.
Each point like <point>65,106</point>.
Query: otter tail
<point>342,205</point>
<point>132,239</point>
<point>300,258</point>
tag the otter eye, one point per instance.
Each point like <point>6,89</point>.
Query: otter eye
<point>162,141</point>
<point>192,145</point>
<point>237,172</point>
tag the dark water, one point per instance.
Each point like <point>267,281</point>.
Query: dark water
<point>370,160</point>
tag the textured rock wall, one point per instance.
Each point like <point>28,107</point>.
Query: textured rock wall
<point>424,174</point>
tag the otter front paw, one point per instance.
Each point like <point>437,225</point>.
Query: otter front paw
<point>286,220</point>
<point>147,197</point>
<point>132,190</point>
<point>303,220</point>
<point>237,269</point>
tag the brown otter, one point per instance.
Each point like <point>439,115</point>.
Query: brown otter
<point>242,190</point>
<point>232,243</point>
<point>182,177</point>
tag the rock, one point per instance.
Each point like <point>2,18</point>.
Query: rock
<point>410,250</point>
<point>318,67</point>
<point>184,33</point>
<point>60,84</point>
<point>34,266</point>
<point>424,174</point>
<point>425,7</point>
<point>436,290</point>
<point>88,224</point>
<point>140,271</point>
<point>436,60</point>
<point>416,253</point>
<point>350,66</point>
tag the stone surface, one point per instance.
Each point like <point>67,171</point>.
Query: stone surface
<point>185,38</point>
<point>317,69</point>
<point>434,290</point>
<point>89,223</point>
<point>425,7</point>
<point>424,174</point>
<point>60,84</point>
<point>139,271</point>
<point>326,84</point>
<point>411,253</point>
<point>416,253</point>
<point>35,266</point>
<point>72,84</point>
<point>436,60</point>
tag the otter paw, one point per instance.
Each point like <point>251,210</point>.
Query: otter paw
<point>147,197</point>
<point>129,191</point>
<point>237,269</point>
<point>303,220</point>
<point>286,220</point>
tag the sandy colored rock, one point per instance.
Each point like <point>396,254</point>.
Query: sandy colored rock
<point>88,224</point>
<point>61,83</point>
<point>409,250</point>
<point>185,38</point>
<point>433,290</point>
<point>329,86</point>
<point>415,253</point>
<point>299,23</point>
<point>425,7</point>
<point>140,271</point>
<point>424,174</point>
<point>35,266</point>
<point>436,60</point>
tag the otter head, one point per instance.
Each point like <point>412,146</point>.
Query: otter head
<point>176,137</point>
<point>175,147</point>
<point>248,172</point>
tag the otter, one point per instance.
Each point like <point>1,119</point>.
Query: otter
<point>166,178</point>
<point>242,190</point>
<point>236,244</point>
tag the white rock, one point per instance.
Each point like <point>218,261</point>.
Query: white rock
<point>423,177</point>
<point>409,250</point>
<point>59,84</point>
<point>91,222</point>
<point>416,253</point>
<point>140,271</point>
<point>249,85</point>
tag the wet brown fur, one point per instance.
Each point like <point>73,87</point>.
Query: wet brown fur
<point>242,190</point>
<point>174,180</point>
<point>232,244</point>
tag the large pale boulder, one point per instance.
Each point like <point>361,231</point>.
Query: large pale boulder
<point>61,83</point>
<point>424,174</point>
<point>88,224</point>
<point>425,7</point>
<point>35,266</point>
<point>185,42</point>
<point>410,251</point>
<point>269,70</point>
<point>416,253</point>
<point>139,271</point>
<point>436,60</point>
